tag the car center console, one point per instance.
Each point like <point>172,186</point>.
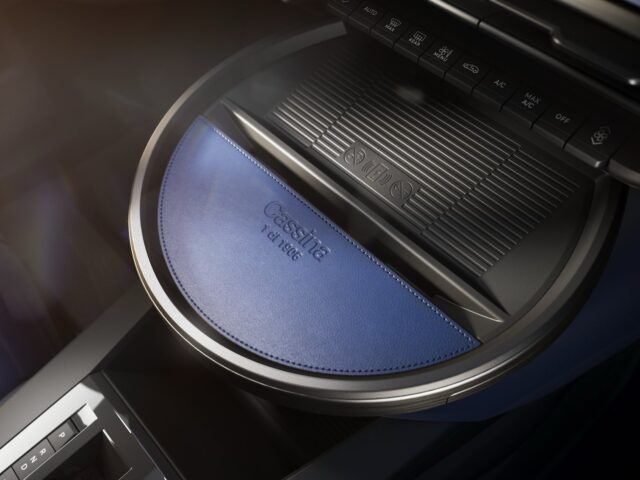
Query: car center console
<point>154,412</point>
<point>578,125</point>
<point>89,438</point>
<point>465,143</point>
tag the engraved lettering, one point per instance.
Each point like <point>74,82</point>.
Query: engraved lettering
<point>272,209</point>
<point>293,229</point>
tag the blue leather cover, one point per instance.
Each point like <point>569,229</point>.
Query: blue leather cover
<point>271,273</point>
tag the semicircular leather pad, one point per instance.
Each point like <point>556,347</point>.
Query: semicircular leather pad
<point>275,276</point>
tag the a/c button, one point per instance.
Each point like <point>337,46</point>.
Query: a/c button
<point>495,89</point>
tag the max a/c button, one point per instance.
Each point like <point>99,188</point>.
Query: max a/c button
<point>527,105</point>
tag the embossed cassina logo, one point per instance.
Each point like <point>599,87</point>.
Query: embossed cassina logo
<point>302,236</point>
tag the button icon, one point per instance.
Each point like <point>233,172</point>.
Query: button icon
<point>601,135</point>
<point>401,190</point>
<point>501,84</point>
<point>354,156</point>
<point>393,24</point>
<point>530,100</point>
<point>417,38</point>
<point>370,10</point>
<point>378,172</point>
<point>562,118</point>
<point>443,53</point>
<point>471,67</point>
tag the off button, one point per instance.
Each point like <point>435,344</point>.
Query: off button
<point>558,123</point>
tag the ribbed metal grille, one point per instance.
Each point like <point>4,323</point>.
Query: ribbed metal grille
<point>477,194</point>
<point>321,101</point>
<point>499,213</point>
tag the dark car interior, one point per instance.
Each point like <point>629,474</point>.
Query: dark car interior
<point>314,239</point>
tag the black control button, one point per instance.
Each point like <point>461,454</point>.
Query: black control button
<point>8,475</point>
<point>527,104</point>
<point>467,73</point>
<point>625,163</point>
<point>62,435</point>
<point>32,460</point>
<point>389,29</point>
<point>495,89</point>
<point>414,43</point>
<point>366,16</point>
<point>342,8</point>
<point>558,123</point>
<point>440,57</point>
<point>596,141</point>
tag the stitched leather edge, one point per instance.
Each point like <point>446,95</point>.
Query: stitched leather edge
<point>471,342</point>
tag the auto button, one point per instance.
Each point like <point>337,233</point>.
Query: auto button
<point>366,16</point>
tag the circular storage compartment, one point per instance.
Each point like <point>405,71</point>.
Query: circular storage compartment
<point>281,268</point>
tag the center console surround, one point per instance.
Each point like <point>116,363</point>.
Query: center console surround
<point>479,186</point>
<point>454,196</point>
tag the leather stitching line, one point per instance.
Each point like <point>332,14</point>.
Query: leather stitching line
<point>333,227</point>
